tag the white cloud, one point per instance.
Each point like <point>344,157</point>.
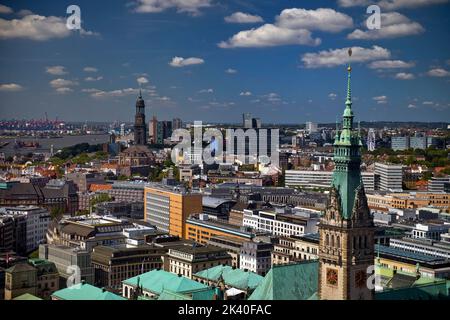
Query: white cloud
<point>412,106</point>
<point>5,9</point>
<point>96,93</point>
<point>391,64</point>
<point>245,94</point>
<point>240,17</point>
<point>36,27</point>
<point>438,72</point>
<point>61,83</point>
<point>90,69</point>
<point>10,87</point>
<point>332,96</point>
<point>322,19</point>
<point>206,91</point>
<point>179,62</point>
<point>142,80</point>
<point>336,57</point>
<point>231,71</point>
<point>269,35</point>
<point>393,25</point>
<point>56,70</point>
<point>391,4</point>
<point>63,90</point>
<point>380,99</point>
<point>92,79</point>
<point>404,76</point>
<point>191,7</point>
<point>428,103</point>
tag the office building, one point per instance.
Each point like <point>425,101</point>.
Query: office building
<point>282,222</point>
<point>439,184</point>
<point>399,143</point>
<point>189,259</point>
<point>256,257</point>
<point>114,264</point>
<point>37,222</point>
<point>67,260</point>
<point>309,179</point>
<point>247,120</point>
<point>311,127</point>
<point>296,248</point>
<point>388,177</point>
<point>168,207</point>
<point>201,229</point>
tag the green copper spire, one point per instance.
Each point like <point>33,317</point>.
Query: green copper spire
<point>347,157</point>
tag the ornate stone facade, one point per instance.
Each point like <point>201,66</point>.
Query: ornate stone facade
<point>346,246</point>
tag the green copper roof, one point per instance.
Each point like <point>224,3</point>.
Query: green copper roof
<point>347,158</point>
<point>157,281</point>
<point>289,282</point>
<point>169,295</point>
<point>84,291</point>
<point>28,297</point>
<point>236,278</point>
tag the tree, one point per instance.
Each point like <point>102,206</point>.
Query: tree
<point>56,213</point>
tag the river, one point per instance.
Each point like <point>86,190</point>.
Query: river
<point>45,144</point>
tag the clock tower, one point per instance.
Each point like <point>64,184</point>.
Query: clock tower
<point>346,246</point>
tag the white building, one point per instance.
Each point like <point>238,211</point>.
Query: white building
<point>256,257</point>
<point>297,222</point>
<point>388,177</point>
<point>321,179</point>
<point>37,221</point>
<point>430,231</point>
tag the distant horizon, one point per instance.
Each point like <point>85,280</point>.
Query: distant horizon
<point>284,61</point>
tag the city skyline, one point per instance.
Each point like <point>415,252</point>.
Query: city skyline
<point>213,67</point>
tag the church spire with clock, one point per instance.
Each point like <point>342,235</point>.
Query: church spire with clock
<point>140,128</point>
<point>346,246</point>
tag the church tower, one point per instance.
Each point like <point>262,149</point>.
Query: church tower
<point>140,128</point>
<point>346,247</point>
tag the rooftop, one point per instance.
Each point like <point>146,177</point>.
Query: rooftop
<point>232,277</point>
<point>156,281</point>
<point>84,291</point>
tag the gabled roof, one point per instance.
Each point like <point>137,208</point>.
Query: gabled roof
<point>289,282</point>
<point>236,278</point>
<point>84,291</point>
<point>156,281</point>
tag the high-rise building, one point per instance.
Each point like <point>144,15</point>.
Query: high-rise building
<point>168,207</point>
<point>346,245</point>
<point>311,127</point>
<point>399,143</point>
<point>418,142</point>
<point>256,123</point>
<point>388,176</point>
<point>177,124</point>
<point>247,120</point>
<point>140,128</point>
<point>371,140</point>
<point>122,130</point>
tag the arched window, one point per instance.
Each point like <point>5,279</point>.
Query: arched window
<point>327,239</point>
<point>365,242</point>
<point>332,240</point>
<point>354,243</point>
<point>360,242</point>
<point>338,241</point>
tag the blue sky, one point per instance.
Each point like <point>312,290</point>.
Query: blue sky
<point>212,60</point>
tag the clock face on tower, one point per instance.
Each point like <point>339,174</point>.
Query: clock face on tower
<point>360,279</point>
<point>332,277</point>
